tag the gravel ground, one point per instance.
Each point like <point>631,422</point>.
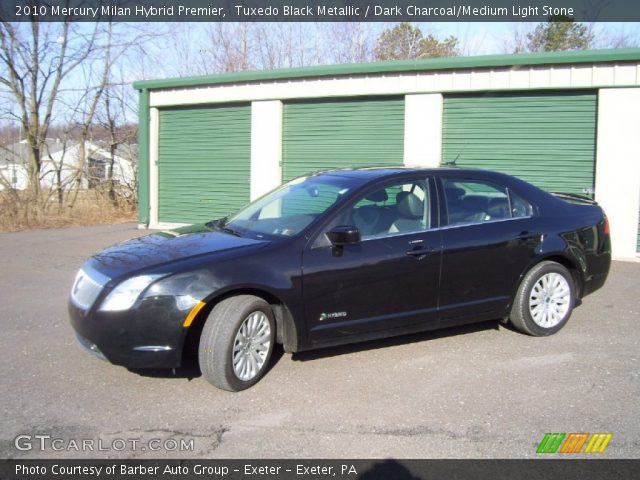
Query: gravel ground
<point>484,391</point>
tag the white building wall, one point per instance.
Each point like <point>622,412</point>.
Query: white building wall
<point>13,176</point>
<point>618,165</point>
<point>266,147</point>
<point>68,161</point>
<point>154,134</point>
<point>423,130</point>
<point>468,80</point>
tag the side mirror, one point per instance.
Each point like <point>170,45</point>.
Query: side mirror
<point>344,235</point>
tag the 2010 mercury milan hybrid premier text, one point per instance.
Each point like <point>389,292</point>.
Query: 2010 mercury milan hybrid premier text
<point>339,257</point>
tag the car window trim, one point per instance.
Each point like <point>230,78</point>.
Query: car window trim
<point>428,178</point>
<point>445,207</point>
<point>397,234</point>
<point>484,222</point>
<point>444,227</point>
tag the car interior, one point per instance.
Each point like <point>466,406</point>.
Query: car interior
<point>394,209</point>
<point>464,207</point>
<point>401,208</point>
<point>477,201</point>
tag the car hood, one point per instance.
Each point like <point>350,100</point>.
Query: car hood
<point>165,247</point>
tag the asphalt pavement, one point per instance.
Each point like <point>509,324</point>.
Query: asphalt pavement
<point>483,391</point>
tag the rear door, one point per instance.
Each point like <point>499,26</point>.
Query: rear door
<point>488,241</point>
<point>387,282</point>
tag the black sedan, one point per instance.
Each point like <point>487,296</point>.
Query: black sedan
<point>339,257</point>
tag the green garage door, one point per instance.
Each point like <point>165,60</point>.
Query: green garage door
<point>320,135</point>
<point>203,162</point>
<point>548,139</point>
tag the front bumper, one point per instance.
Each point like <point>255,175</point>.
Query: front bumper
<point>91,348</point>
<point>149,335</point>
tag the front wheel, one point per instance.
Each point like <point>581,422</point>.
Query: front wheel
<point>544,300</point>
<point>236,342</point>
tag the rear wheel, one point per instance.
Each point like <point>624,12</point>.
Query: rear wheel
<point>236,342</point>
<point>544,301</point>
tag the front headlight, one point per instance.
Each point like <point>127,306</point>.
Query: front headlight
<point>125,294</point>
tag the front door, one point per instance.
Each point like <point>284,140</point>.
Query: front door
<point>387,282</point>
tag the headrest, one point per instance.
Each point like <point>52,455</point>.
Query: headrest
<point>409,205</point>
<point>498,208</point>
<point>454,193</point>
<point>499,202</point>
<point>378,196</point>
<point>475,202</point>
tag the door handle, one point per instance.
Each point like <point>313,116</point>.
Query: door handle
<point>419,252</point>
<point>527,236</point>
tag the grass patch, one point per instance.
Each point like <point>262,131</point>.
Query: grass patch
<point>21,210</point>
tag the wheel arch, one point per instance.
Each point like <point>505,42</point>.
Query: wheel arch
<point>571,265</point>
<point>561,258</point>
<point>286,330</point>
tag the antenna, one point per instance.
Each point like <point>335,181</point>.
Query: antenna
<point>452,163</point>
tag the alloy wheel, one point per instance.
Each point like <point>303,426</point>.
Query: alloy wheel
<point>251,346</point>
<point>550,300</point>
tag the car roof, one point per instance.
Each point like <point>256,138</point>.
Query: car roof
<point>371,173</point>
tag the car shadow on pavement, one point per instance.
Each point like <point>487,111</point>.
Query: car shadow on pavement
<point>190,368</point>
<point>395,341</point>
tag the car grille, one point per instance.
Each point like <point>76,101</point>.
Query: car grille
<point>86,288</point>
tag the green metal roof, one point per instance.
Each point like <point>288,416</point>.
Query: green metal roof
<point>484,61</point>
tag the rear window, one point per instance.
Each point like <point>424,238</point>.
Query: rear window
<point>478,201</point>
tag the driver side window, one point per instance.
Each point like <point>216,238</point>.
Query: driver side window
<point>397,208</point>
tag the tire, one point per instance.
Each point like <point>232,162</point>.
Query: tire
<point>544,301</point>
<point>229,325</point>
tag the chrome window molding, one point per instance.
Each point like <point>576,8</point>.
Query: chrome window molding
<point>444,227</point>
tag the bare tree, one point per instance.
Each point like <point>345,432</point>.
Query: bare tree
<point>115,109</point>
<point>516,40</point>
<point>231,47</point>
<point>350,42</point>
<point>281,45</point>
<point>614,36</point>
<point>65,71</point>
<point>228,47</point>
<point>35,59</point>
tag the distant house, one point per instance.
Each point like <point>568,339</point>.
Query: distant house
<point>60,159</point>
<point>13,166</point>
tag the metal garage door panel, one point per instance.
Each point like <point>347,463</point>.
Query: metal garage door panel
<point>319,135</point>
<point>203,162</point>
<point>548,139</point>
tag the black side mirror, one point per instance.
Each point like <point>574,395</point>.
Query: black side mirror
<point>344,235</point>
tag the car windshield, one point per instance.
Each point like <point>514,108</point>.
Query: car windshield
<point>289,209</point>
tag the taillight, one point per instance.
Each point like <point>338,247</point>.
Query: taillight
<point>605,229</point>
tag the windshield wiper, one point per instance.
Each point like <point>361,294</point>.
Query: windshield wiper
<point>230,231</point>
<point>216,223</point>
<point>220,224</point>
